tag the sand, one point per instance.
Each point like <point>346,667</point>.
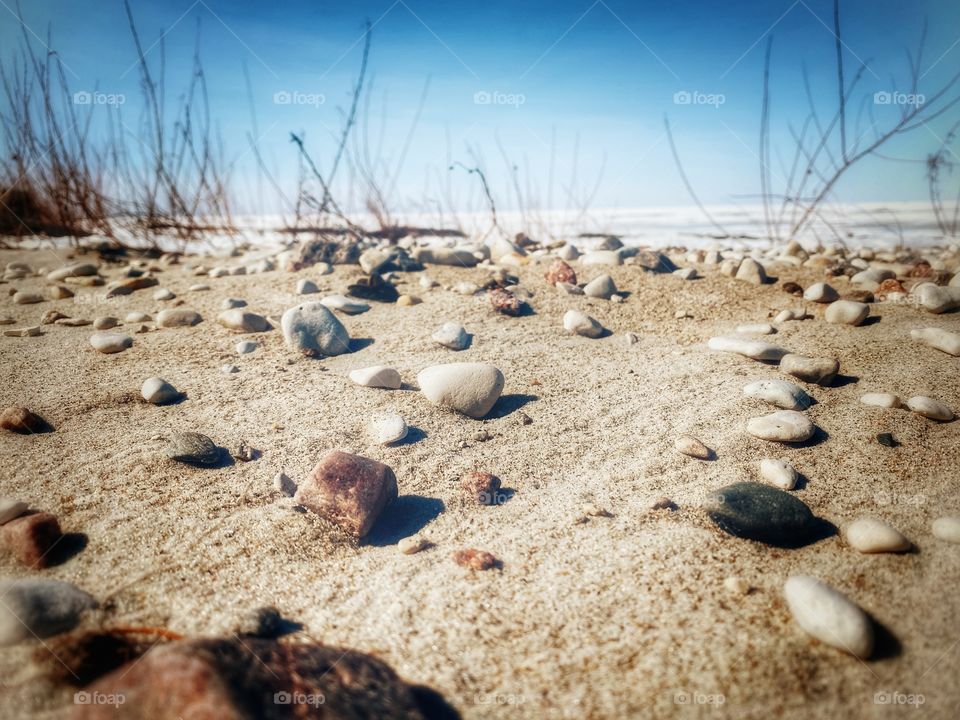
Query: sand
<point>625,616</point>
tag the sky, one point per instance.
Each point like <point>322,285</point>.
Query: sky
<point>561,102</point>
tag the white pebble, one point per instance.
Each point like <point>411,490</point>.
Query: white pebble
<point>820,293</point>
<point>284,484</point>
<point>847,312</point>
<point>869,535</point>
<point>781,393</point>
<point>689,445</point>
<point>344,304</point>
<point>779,473</point>
<point>947,528</point>
<point>376,376</point>
<point>882,400</point>
<point>736,585</point>
<point>939,339</point>
<point>755,329</point>
<point>10,509</point>
<point>245,347</point>
<point>158,391</point>
<point>754,349</point>
<point>580,323</point>
<point>453,336</point>
<point>829,615</point>
<point>930,408</point>
<point>782,426</point>
<point>388,428</point>
<point>109,343</point>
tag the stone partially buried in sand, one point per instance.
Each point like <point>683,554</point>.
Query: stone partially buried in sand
<point>821,371</point>
<point>782,426</point>
<point>761,512</point>
<point>348,490</point>
<point>314,331</point>
<point>377,376</point>
<point>829,616</point>
<point>110,343</point>
<point>177,317</point>
<point>193,448</point>
<point>753,349</point>
<point>469,388</point>
<point>39,608</point>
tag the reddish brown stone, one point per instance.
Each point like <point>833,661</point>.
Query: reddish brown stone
<point>20,420</point>
<point>31,537</point>
<point>792,288</point>
<point>505,302</point>
<point>889,286</point>
<point>560,272</point>
<point>481,486</point>
<point>251,678</point>
<point>349,491</point>
<point>474,559</point>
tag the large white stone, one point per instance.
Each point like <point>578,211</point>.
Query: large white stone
<point>828,615</point>
<point>313,330</point>
<point>938,299</point>
<point>930,408</point>
<point>939,339</point>
<point>109,343</point>
<point>782,426</point>
<point>469,388</point>
<point>580,323</point>
<point>847,312</point>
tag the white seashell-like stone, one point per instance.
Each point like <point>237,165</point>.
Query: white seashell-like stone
<point>828,615</point>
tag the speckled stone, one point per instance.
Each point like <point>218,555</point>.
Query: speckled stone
<point>193,448</point>
<point>761,512</point>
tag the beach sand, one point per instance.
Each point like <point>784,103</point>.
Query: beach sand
<point>622,616</point>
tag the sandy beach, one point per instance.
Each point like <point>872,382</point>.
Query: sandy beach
<point>602,606</point>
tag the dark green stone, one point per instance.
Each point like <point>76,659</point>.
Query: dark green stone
<point>761,512</point>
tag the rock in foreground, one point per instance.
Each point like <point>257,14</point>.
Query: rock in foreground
<point>829,615</point>
<point>761,512</point>
<point>313,330</point>
<point>39,608</point>
<point>469,388</point>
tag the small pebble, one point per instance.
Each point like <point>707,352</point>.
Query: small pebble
<point>31,537</point>
<point>947,528</point>
<point>869,535</point>
<point>232,304</point>
<point>21,420</point>
<point>284,484</point>
<point>781,393</point>
<point>847,312</point>
<point>471,389</point>
<point>137,317</point>
<point>246,347</point>
<point>453,336</point>
<point>413,544</point>
<point>821,293</point>
<point>736,585</point>
<point>753,349</point>
<point>109,343</point>
<point>11,509</point>
<point>601,287</point>
<point>408,300</point>
<point>481,487</point>
<point>579,323</point>
<point>377,376</point>
<point>163,294</point>
<point>779,473</point>
<point>938,339</point>
<point>820,371</point>
<point>886,439</point>
<point>782,426</point>
<point>158,391</point>
<point>689,445</point>
<point>829,616</point>
<point>343,304</point>
<point>242,321</point>
<point>202,287</point>
<point>761,512</point>
<point>229,369</point>
<point>474,559</point>
<point>387,428</point>
<point>663,504</point>
<point>105,323</point>
<point>27,298</point>
<point>307,287</point>
<point>930,408</point>
<point>244,452</point>
<point>193,448</point>
<point>177,317</point>
<point>23,332</point>
<point>34,608</point>
<point>756,329</point>
<point>881,400</point>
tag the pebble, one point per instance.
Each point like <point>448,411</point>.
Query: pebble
<point>474,559</point>
<point>129,286</point>
<point>930,408</point>
<point>158,391</point>
<point>342,303</point>
<point>81,269</point>
<point>663,503</point>
<point>787,315</point>
<point>753,349</point>
<point>33,608</point>
<point>27,298</point>
<point>468,388</point>
<point>109,343</point>
<point>820,371</point>
<point>752,272</point>
<point>313,330</point>
<point>761,512</point>
<point>246,347</point>
<point>73,322</point>
<point>560,272</point>
<point>376,376</point>
<point>349,491</point>
<point>756,329</point>
<point>387,428</point>
<point>229,369</point>
<point>828,615</point>
<point>886,439</point>
<point>408,300</point>
<point>781,393</point>
<point>687,273</point>
<point>689,445</point>
<point>736,585</point>
<point>105,323</point>
<point>947,528</point>
<point>33,331</point>
<point>30,538</point>
<point>463,257</point>
<point>413,544</point>
<point>307,287</point>
<point>21,420</point>
<point>453,336</point>
<point>779,473</point>
<point>11,509</point>
<point>59,292</point>
<point>482,487</point>
<point>602,257</point>
<point>869,535</point>
<point>202,287</point>
<point>177,317</point>
<point>846,312</point>
<point>242,321</point>
<point>233,303</point>
<point>601,287</point>
<point>936,299</point>
<point>244,452</point>
<point>938,339</point>
<point>568,252</point>
<point>283,484</point>
<point>163,294</point>
<point>630,338</point>
<point>820,293</point>
<point>137,317</point>
<point>782,426</point>
<point>882,400</point>
<point>427,283</point>
<point>193,448</point>
<point>580,323</point>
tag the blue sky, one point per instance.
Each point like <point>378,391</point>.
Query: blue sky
<point>591,79</point>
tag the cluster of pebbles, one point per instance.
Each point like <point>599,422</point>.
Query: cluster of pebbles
<point>352,492</point>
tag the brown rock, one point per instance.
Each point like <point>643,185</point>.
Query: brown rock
<point>481,486</point>
<point>474,559</point>
<point>59,292</point>
<point>561,272</point>
<point>125,287</point>
<point>31,537</point>
<point>889,287</point>
<point>792,288</point>
<point>236,679</point>
<point>864,296</point>
<point>20,420</point>
<point>505,302</point>
<point>349,491</point>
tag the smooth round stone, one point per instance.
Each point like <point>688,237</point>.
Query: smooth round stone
<point>377,376</point>
<point>177,317</point>
<point>137,317</point>
<point>755,329</point>
<point>847,312</point>
<point>466,288</point>
<point>782,426</point>
<point>736,585</point>
<point>34,608</point>
<point>753,349</point>
<point>11,509</point>
<point>246,347</point>
<point>343,304</point>
<point>233,303</point>
<point>869,535</point>
<point>59,292</point>
<point>820,293</point>
<point>388,428</point>
<point>471,389</point>
<point>779,473</point>
<point>242,321</point>
<point>600,287</point>
<point>938,339</point>
<point>163,294</point>
<point>828,615</point>
<point>947,528</point>
<point>193,448</point>
<point>27,298</point>
<point>881,400</point>
<point>105,323</point>
<point>930,408</point>
<point>936,299</point>
<point>307,287</point>
<point>283,484</point>
<point>201,287</point>
<point>781,393</point>
<point>752,272</point>
<point>761,512</point>
<point>820,371</point>
<point>158,391</point>
<point>313,330</point>
<point>229,369</point>
<point>580,323</point>
<point>691,446</point>
<point>787,315</point>
<point>109,343</point>
<point>568,252</point>
<point>81,269</point>
<point>453,336</point>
